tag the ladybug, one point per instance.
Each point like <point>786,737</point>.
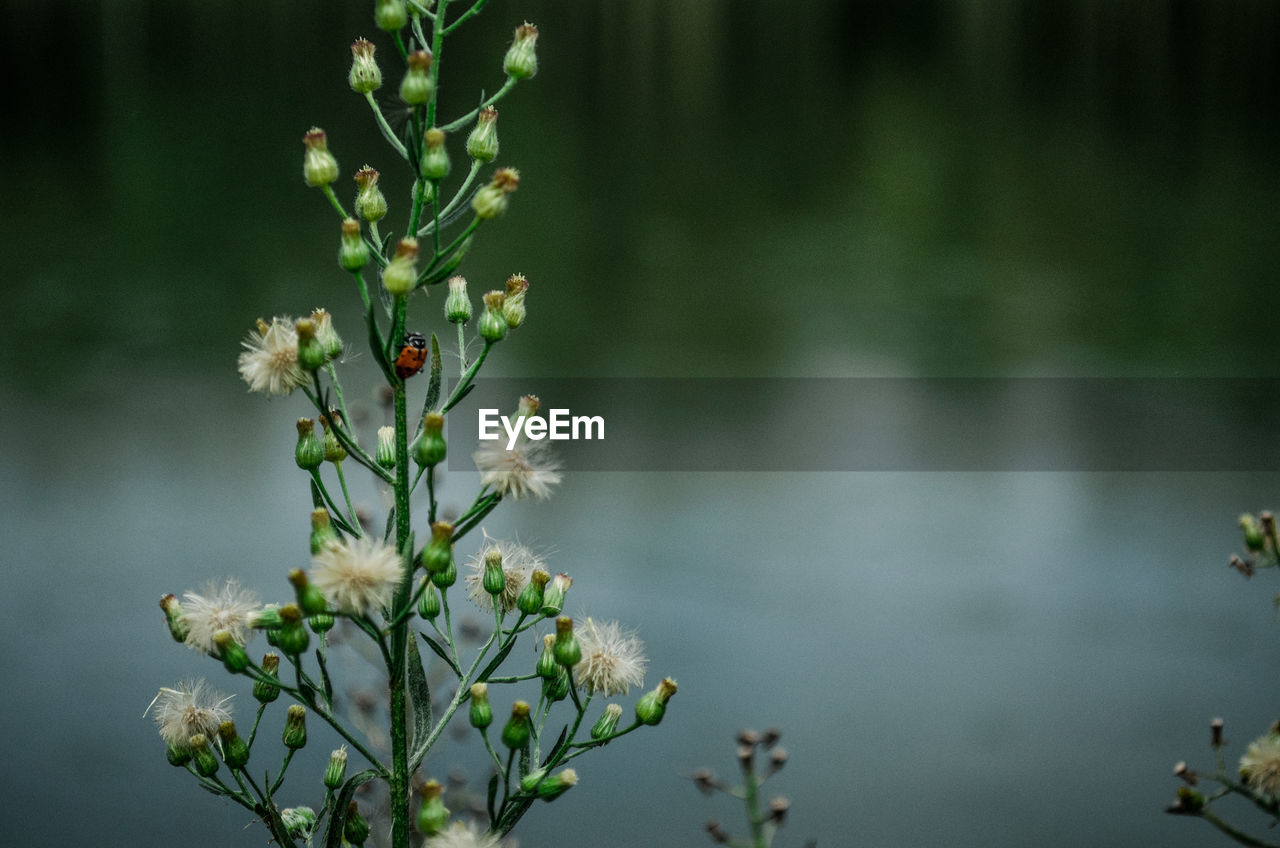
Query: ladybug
<point>412,356</point>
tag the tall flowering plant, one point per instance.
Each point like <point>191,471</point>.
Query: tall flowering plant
<point>397,587</point>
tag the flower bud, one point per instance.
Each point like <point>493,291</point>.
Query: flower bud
<point>493,579</point>
<point>178,755</point>
<point>547,667</point>
<point>568,652</point>
<point>322,532</point>
<point>333,450</point>
<point>310,601</point>
<point>205,762</point>
<point>438,553</point>
<point>353,253</point>
<point>553,598</point>
<point>446,578</point>
<point>310,352</point>
<point>1253,538</point>
<point>481,712</point>
<point>435,157</point>
<point>319,168</point>
<point>416,87</point>
<point>295,727</point>
<point>365,75</point>
<point>528,406</point>
<point>320,622</point>
<point>491,201</point>
<point>325,333</point>
<point>653,705</point>
<point>482,143</point>
<point>401,275</point>
<point>457,306</point>
<point>390,15</point>
<point>607,723</point>
<point>433,815</point>
<point>385,454</point>
<point>300,822</point>
<point>516,732</point>
<point>267,687</point>
<point>556,689</point>
<point>430,448</point>
<point>293,638</point>
<point>493,326</point>
<point>336,771</point>
<point>230,652</point>
<point>429,603</point>
<point>549,787</point>
<point>513,304</point>
<point>176,617</point>
<point>371,205</point>
<point>235,753</point>
<point>356,830</point>
<point>521,60</point>
<point>529,601</point>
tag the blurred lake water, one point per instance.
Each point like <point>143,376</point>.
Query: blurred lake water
<point>710,189</point>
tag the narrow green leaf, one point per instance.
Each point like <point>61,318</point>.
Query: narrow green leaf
<point>376,344</point>
<point>420,697</point>
<point>338,818</point>
<point>497,660</point>
<point>324,677</point>
<point>440,652</point>
<point>493,795</point>
<point>557,748</point>
<point>437,370</point>
<point>317,499</point>
<point>459,398</point>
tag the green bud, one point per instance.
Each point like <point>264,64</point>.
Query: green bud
<point>176,617</point>
<point>481,712</point>
<point>230,652</point>
<point>333,450</point>
<point>549,787</point>
<point>482,143</point>
<point>513,310</point>
<point>553,598</point>
<point>529,601</point>
<point>310,601</point>
<point>493,326</point>
<point>295,727</point>
<point>653,705</point>
<point>267,688</point>
<point>319,168</point>
<point>433,815</point>
<point>416,87</point>
<point>446,578</point>
<point>1254,540</point>
<point>320,623</point>
<point>322,532</point>
<point>557,688</point>
<point>516,732</point>
<point>547,667</point>
<point>353,253</point>
<point>567,650</point>
<point>385,453</point>
<point>430,448</point>
<point>607,723</point>
<point>521,60</point>
<point>457,306</point>
<point>235,753</point>
<point>401,275</point>
<point>177,755</point>
<point>371,205</point>
<point>356,830</point>
<point>390,15</point>
<point>293,638</point>
<point>493,579</point>
<point>435,158</point>
<point>438,553</point>
<point>311,354</point>
<point>336,771</point>
<point>365,75</point>
<point>300,822</point>
<point>326,334</point>
<point>492,200</point>
<point>205,762</point>
<point>429,603</point>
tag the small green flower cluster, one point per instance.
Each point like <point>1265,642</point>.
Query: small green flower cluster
<point>385,586</point>
<point>762,822</point>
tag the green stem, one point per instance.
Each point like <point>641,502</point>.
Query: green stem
<point>1233,832</point>
<point>466,379</point>
<point>397,667</point>
<point>465,16</point>
<point>462,347</point>
<point>346,495</point>
<point>333,200</point>
<point>453,204</point>
<point>471,116</point>
<point>753,809</point>
<point>387,132</point>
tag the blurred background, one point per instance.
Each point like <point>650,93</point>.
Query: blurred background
<point>710,189</point>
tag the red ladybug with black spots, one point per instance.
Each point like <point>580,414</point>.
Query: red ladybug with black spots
<point>412,356</point>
